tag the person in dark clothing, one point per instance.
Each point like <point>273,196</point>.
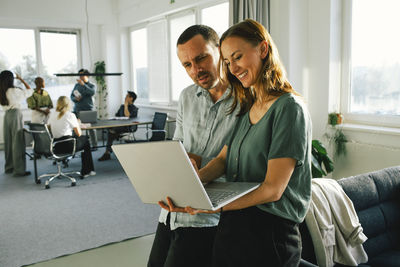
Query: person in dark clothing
<point>128,109</point>
<point>82,96</point>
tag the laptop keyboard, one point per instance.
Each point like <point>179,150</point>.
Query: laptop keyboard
<point>218,196</point>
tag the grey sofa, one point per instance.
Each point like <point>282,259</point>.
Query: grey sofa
<point>376,198</point>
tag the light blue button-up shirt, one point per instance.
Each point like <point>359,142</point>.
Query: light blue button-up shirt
<point>203,127</point>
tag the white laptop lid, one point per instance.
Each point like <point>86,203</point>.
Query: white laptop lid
<point>161,169</point>
<point>88,116</point>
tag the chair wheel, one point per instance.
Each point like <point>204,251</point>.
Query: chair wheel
<point>73,183</point>
<point>38,181</point>
<point>47,186</point>
<point>81,177</point>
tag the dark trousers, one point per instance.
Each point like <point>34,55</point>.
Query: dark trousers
<point>187,246</point>
<point>82,143</point>
<point>115,134</point>
<point>252,237</point>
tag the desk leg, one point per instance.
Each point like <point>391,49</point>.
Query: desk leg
<point>35,169</point>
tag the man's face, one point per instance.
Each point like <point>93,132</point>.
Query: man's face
<point>200,60</point>
<point>129,99</point>
<point>84,78</point>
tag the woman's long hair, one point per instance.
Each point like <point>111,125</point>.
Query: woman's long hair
<point>6,81</point>
<point>271,80</point>
<point>63,105</point>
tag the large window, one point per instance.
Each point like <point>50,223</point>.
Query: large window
<point>17,53</point>
<point>51,43</point>
<point>179,78</point>
<point>139,62</point>
<point>371,76</point>
<point>40,52</point>
<point>217,17</point>
<point>165,74</point>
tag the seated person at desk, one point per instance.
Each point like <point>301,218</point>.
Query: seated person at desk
<point>128,109</point>
<point>62,125</point>
<point>40,102</point>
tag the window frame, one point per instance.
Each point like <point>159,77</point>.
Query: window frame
<point>58,30</point>
<point>37,41</point>
<point>366,119</point>
<point>196,11</point>
<point>190,11</point>
<point>131,64</point>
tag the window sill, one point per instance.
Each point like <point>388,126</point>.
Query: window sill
<point>376,136</point>
<point>171,107</point>
<point>370,129</point>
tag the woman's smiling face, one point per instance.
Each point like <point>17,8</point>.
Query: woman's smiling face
<point>243,59</point>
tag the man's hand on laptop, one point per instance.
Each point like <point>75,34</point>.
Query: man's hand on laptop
<point>195,159</point>
<point>172,208</point>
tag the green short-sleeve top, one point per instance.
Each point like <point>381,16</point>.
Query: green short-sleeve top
<point>283,132</point>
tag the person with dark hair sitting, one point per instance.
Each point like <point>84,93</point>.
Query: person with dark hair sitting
<point>128,109</point>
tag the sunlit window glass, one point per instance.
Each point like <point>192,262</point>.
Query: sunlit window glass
<point>217,17</point>
<point>139,62</point>
<point>179,78</point>
<point>375,57</point>
<point>59,55</point>
<point>17,53</point>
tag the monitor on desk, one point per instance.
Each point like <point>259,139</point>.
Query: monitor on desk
<point>89,116</point>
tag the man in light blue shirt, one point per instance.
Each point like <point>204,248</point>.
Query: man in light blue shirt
<point>202,124</point>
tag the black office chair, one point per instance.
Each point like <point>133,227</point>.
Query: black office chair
<point>158,132</point>
<point>43,144</point>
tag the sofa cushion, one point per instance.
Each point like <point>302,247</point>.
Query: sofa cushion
<point>376,198</point>
<point>390,258</point>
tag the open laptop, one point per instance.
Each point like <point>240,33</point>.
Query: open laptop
<point>161,169</point>
<point>89,116</point>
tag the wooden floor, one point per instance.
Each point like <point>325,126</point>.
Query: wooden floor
<point>130,253</point>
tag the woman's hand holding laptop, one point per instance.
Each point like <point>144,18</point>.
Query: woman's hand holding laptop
<point>172,208</point>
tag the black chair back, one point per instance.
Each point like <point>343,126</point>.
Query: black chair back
<point>158,126</point>
<point>42,139</point>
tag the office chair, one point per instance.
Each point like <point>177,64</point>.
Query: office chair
<point>43,144</point>
<point>158,132</point>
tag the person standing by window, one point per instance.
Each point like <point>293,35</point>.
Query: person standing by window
<point>82,96</point>
<point>40,102</point>
<point>14,139</point>
<point>202,125</point>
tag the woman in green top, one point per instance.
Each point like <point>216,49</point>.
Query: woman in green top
<point>271,144</point>
<point>40,102</point>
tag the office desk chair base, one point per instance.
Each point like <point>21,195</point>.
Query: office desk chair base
<point>59,174</point>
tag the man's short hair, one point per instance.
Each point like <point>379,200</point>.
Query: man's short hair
<point>84,71</point>
<point>132,94</point>
<point>208,33</point>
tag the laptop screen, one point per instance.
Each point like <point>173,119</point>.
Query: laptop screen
<point>88,116</point>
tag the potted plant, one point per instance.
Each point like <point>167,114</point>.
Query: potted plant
<point>100,67</point>
<point>337,139</point>
<point>321,163</point>
<point>335,118</point>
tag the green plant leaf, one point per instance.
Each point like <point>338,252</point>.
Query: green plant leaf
<point>321,164</point>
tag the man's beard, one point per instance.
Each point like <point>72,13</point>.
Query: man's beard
<point>211,82</point>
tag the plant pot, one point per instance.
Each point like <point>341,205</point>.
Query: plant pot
<point>335,118</point>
